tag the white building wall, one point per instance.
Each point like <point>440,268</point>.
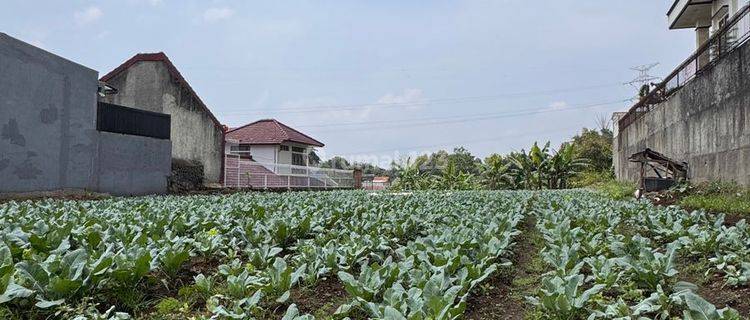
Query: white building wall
<point>264,153</point>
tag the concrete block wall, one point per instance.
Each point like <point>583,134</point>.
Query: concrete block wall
<point>706,123</point>
<point>133,165</point>
<point>48,136</point>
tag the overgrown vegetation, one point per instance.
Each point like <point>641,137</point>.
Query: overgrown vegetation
<point>719,197</point>
<point>617,190</point>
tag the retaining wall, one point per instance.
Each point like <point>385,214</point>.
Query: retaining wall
<point>705,123</point>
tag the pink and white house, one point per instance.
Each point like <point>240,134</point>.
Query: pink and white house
<point>269,154</point>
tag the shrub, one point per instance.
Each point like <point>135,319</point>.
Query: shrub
<point>168,306</point>
<point>717,196</point>
<point>618,190</point>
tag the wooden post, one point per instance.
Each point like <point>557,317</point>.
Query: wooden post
<point>642,183</point>
<point>357,178</point>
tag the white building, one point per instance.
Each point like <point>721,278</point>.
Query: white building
<point>269,141</point>
<point>705,16</point>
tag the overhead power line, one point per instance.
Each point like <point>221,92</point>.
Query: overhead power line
<point>418,103</point>
<point>465,116</point>
<point>450,120</point>
<point>465,142</point>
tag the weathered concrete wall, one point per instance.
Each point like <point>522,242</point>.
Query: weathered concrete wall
<point>706,124</point>
<point>148,85</point>
<point>133,165</point>
<point>48,137</point>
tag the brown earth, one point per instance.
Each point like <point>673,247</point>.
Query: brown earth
<point>324,298</point>
<point>502,296</point>
<point>713,288</point>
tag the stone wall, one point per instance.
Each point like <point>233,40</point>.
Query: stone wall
<point>706,124</point>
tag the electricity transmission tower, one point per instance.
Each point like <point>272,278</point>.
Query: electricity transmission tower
<point>644,77</point>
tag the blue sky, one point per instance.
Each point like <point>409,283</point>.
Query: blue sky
<point>381,79</point>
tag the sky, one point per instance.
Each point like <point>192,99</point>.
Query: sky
<point>383,80</point>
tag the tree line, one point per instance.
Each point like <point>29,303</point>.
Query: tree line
<point>585,159</point>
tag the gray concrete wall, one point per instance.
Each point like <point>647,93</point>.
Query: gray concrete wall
<point>148,85</point>
<point>48,136</point>
<point>706,123</point>
<point>133,165</point>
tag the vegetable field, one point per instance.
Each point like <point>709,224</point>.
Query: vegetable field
<point>350,254</point>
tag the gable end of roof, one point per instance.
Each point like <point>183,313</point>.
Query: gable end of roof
<point>176,76</point>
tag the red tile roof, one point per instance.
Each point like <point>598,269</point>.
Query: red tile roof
<point>270,131</point>
<point>176,76</point>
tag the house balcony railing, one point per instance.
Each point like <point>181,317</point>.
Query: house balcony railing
<point>241,172</point>
<point>734,33</point>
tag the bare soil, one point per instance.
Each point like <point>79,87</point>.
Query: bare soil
<point>502,297</point>
<point>324,298</point>
<point>713,288</point>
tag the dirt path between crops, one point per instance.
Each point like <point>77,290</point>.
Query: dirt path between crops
<point>502,297</point>
<point>713,289</point>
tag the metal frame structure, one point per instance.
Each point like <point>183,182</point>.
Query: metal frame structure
<point>667,171</point>
<point>734,33</point>
<point>242,172</point>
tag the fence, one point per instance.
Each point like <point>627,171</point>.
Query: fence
<point>240,172</point>
<point>118,119</point>
<point>734,33</point>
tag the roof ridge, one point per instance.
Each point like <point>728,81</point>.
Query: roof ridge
<point>297,131</point>
<point>172,69</point>
<point>279,132</point>
<point>244,126</point>
<point>279,125</point>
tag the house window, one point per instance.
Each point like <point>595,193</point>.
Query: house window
<point>243,150</point>
<point>298,159</point>
<point>298,149</point>
<point>284,148</point>
<point>240,148</point>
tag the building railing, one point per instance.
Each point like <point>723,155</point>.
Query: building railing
<point>734,33</point>
<point>241,172</point>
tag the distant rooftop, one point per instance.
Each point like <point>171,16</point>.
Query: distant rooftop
<point>270,131</point>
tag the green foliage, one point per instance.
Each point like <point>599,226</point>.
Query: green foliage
<point>596,147</point>
<point>624,253</point>
<point>716,196</point>
<point>336,163</point>
<point>539,169</point>
<point>590,178</point>
<point>416,255</point>
<point>617,190</point>
<point>168,305</point>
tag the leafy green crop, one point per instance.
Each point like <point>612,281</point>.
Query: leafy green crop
<point>412,256</point>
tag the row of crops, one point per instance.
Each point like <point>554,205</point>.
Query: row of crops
<point>415,256</point>
<point>618,260</point>
<point>396,256</point>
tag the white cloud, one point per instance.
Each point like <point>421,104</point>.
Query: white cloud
<point>558,105</point>
<point>88,15</point>
<point>216,14</point>
<point>411,98</point>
